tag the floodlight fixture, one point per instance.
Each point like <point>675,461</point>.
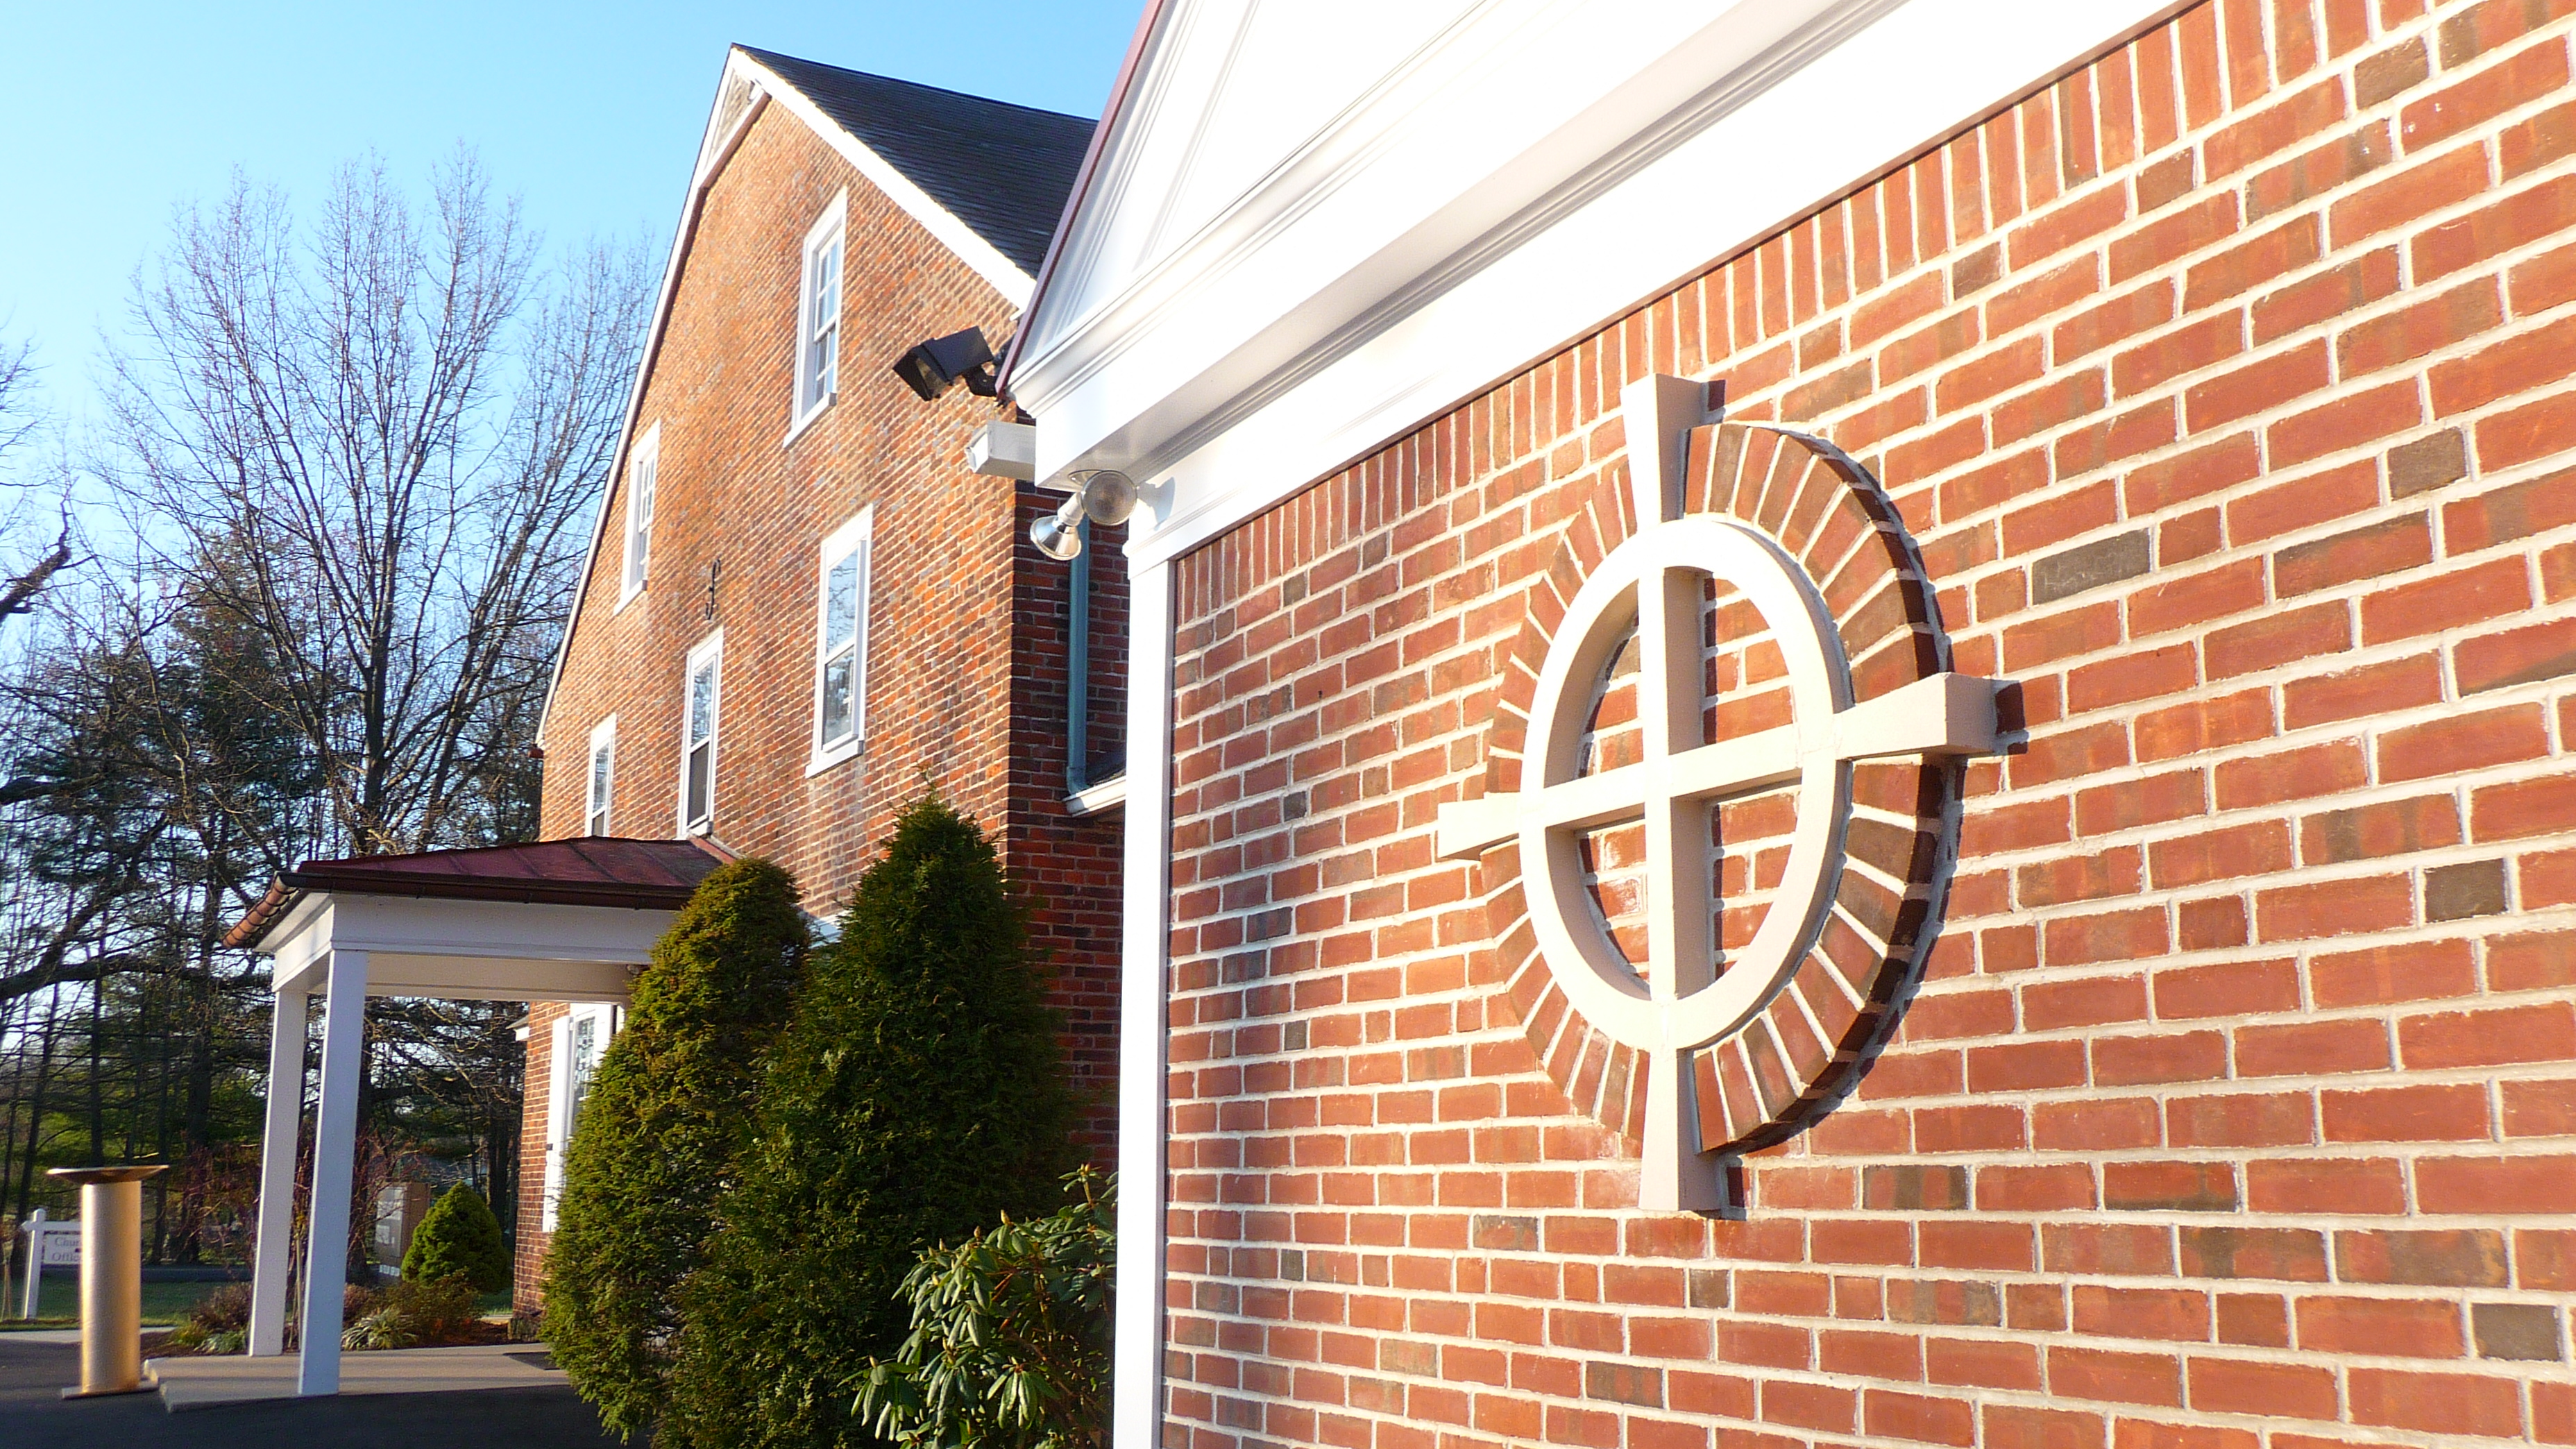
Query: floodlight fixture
<point>1059,534</point>
<point>1105,496</point>
<point>933,367</point>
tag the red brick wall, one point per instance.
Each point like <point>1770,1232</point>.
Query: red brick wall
<point>2223,384</point>
<point>954,697</point>
<point>528,1257</point>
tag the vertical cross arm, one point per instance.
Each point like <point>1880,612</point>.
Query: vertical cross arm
<point>1659,412</point>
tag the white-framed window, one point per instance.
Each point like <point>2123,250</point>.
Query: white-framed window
<point>818,315</point>
<point>602,771</point>
<point>701,698</point>
<point>642,463</point>
<point>841,642</point>
<point>580,1038</point>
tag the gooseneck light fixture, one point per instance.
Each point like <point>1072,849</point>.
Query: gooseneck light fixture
<point>1105,497</point>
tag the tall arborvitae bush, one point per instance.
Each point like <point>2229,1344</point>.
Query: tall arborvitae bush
<point>667,1113</point>
<point>458,1236</point>
<point>917,1096</point>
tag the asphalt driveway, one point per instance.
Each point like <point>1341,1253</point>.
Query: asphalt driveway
<point>34,1416</point>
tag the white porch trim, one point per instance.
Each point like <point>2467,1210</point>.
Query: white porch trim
<point>344,947</point>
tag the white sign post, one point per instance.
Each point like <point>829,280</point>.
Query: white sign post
<point>51,1245</point>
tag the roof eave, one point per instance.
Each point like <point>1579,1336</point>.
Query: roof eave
<point>1091,157</point>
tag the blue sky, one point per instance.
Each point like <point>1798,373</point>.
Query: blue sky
<point>110,115</point>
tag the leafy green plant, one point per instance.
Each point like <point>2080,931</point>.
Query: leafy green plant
<point>409,1314</point>
<point>1010,1336</point>
<point>218,1323</point>
<point>384,1326</point>
<point>655,1146</point>
<point>916,1096</point>
<point>459,1235</point>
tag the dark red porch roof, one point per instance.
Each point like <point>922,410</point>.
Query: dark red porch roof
<point>594,870</point>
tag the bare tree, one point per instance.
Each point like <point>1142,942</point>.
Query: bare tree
<point>17,374</point>
<point>18,420</point>
<point>371,443</point>
<point>354,454</point>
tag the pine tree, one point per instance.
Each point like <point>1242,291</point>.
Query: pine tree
<point>659,1131</point>
<point>458,1236</point>
<point>917,1096</point>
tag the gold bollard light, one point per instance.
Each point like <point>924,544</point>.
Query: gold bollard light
<point>111,1293</point>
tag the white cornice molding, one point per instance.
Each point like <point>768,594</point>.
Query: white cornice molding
<point>1290,337</point>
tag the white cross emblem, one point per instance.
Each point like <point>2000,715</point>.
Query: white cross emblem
<point>1654,579</point>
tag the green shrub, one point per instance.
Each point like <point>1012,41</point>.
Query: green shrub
<point>219,1323</point>
<point>459,1235</point>
<point>1010,1337</point>
<point>654,1150</point>
<point>410,1314</point>
<point>916,1096</point>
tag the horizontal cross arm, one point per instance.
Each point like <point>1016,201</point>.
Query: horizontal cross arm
<point>1944,714</point>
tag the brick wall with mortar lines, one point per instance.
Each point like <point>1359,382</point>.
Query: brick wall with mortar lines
<point>946,685</point>
<point>528,1252</point>
<point>2223,383</point>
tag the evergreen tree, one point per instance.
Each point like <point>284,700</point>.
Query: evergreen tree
<point>664,1119</point>
<point>458,1236</point>
<point>916,1097</point>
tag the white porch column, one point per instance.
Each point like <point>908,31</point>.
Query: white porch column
<point>335,1144</point>
<point>274,1251</point>
<point>1136,1356</point>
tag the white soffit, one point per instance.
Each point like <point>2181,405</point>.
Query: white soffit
<point>1532,172</point>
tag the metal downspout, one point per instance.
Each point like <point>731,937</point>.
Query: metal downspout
<point>1077,728</point>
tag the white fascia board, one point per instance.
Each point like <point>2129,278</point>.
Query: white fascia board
<point>982,256</point>
<point>1502,110</point>
<point>1768,133</point>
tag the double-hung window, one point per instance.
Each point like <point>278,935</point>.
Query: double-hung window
<point>818,315</point>
<point>641,464</point>
<point>579,1039</point>
<point>700,698</point>
<point>603,767</point>
<point>841,642</point>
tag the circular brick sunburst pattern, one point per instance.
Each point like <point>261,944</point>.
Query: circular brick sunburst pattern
<point>1806,1047</point>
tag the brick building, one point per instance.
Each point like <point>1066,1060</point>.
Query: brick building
<point>2014,565</point>
<point>802,609</point>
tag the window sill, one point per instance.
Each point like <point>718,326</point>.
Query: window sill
<point>1109,794</point>
<point>628,596</point>
<point>812,415</point>
<point>838,755</point>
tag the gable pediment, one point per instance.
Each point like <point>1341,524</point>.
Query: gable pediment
<point>1288,191</point>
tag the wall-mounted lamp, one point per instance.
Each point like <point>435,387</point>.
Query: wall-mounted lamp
<point>1105,497</point>
<point>935,366</point>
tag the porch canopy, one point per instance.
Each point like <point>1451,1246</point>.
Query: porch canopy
<point>561,920</point>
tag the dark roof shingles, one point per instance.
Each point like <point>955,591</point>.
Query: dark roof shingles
<point>1002,169</point>
<point>586,871</point>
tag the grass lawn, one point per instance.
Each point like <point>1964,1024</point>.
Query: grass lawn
<point>59,1301</point>
<point>58,1304</point>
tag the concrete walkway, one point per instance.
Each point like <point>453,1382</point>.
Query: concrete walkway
<point>204,1383</point>
<point>432,1398</point>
